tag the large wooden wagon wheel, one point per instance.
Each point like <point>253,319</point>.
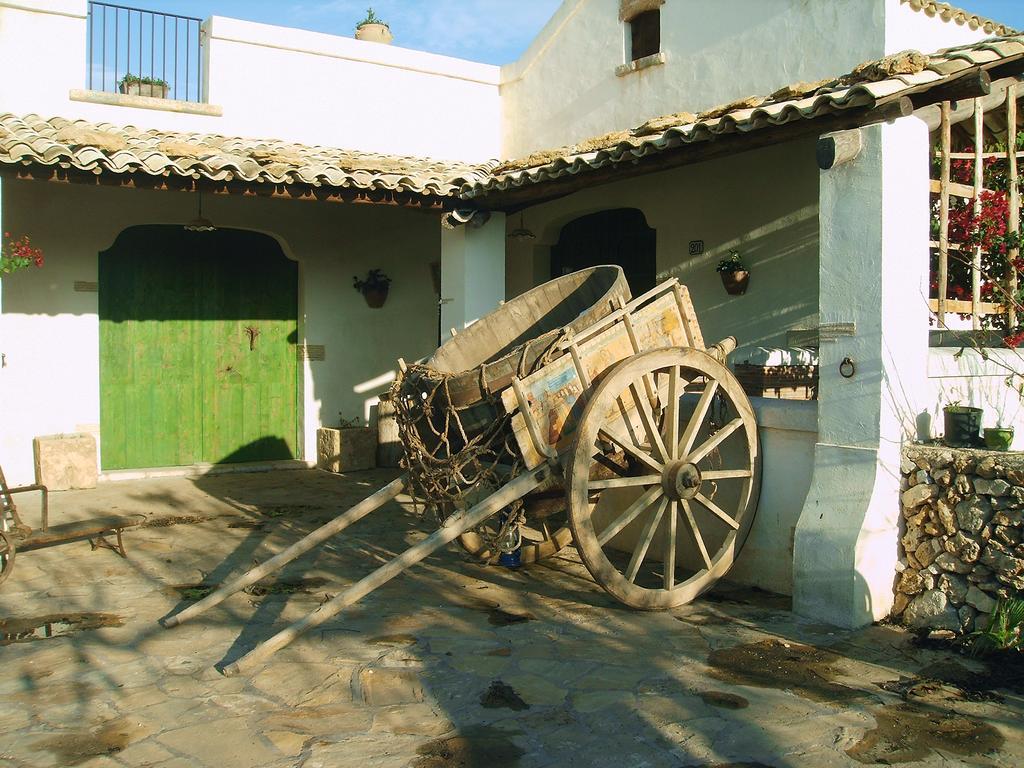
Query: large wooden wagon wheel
<point>666,527</point>
<point>7,553</point>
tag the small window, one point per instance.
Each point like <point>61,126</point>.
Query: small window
<point>645,34</point>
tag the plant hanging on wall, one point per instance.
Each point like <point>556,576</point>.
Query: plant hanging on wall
<point>734,273</point>
<point>18,253</point>
<point>374,288</point>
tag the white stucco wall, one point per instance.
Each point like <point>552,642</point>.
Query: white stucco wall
<point>906,28</point>
<point>736,202</point>
<point>967,378</point>
<point>271,82</point>
<point>564,88</point>
<point>50,332</point>
<point>788,431</point>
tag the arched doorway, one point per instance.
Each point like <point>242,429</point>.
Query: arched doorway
<point>198,361</point>
<point>619,236</point>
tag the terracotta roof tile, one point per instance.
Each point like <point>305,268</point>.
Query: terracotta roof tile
<point>949,13</point>
<point>101,147</point>
<point>912,70</point>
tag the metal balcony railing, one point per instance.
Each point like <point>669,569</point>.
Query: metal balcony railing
<point>131,50</point>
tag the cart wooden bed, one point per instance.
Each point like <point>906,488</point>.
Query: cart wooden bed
<point>623,421</point>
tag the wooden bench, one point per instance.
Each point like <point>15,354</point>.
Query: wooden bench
<point>16,537</point>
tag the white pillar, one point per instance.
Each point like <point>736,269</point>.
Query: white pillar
<point>472,272</point>
<point>873,222</point>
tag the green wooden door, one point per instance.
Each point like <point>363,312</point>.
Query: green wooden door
<point>197,349</point>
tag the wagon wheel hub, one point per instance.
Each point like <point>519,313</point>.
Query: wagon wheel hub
<point>681,480</point>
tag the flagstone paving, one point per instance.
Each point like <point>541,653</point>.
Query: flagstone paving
<point>453,664</point>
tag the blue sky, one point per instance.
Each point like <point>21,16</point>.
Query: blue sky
<point>491,31</point>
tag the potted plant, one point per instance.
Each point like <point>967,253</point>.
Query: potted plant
<point>962,425</point>
<point>374,288</point>
<point>998,438</point>
<point>18,253</point>
<point>734,273</point>
<point>373,29</point>
<point>135,85</point>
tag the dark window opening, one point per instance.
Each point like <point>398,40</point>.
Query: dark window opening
<point>645,34</point>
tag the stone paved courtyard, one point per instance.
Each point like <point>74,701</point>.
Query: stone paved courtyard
<point>452,664</point>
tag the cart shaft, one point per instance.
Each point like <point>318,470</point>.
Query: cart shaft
<point>321,534</point>
<point>451,529</point>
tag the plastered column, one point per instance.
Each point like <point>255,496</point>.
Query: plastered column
<point>472,272</point>
<point>873,223</point>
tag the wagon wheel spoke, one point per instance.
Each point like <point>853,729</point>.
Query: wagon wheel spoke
<point>669,578</point>
<point>643,404</point>
<point>659,529</point>
<point>672,413</point>
<point>697,419</point>
<point>710,506</point>
<point>631,513</point>
<point>624,482</point>
<point>646,537</point>
<point>695,532</point>
<point>715,440</point>
<point>725,474</point>
<point>633,450</point>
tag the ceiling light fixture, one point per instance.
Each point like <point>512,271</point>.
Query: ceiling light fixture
<point>200,223</point>
<point>521,234</point>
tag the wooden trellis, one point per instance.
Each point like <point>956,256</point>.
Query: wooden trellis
<point>946,189</point>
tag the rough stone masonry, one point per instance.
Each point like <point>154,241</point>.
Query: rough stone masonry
<point>960,544</point>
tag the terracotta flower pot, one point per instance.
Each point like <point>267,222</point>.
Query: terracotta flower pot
<point>153,90</point>
<point>375,297</point>
<point>735,282</point>
<point>375,33</point>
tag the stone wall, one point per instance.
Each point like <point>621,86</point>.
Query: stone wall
<point>961,536</point>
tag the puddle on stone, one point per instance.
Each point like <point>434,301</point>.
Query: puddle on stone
<point>905,733</point>
<point>76,747</point>
<point>803,669</point>
<point>501,695</point>
<point>167,522</point>
<point>479,746</point>
<point>54,625</point>
<point>261,589</point>
<point>194,591</point>
<point>500,652</point>
<point>250,525</point>
<point>392,640</point>
<point>723,700</point>
<point>500,618</point>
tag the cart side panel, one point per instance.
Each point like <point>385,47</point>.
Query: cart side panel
<point>555,393</point>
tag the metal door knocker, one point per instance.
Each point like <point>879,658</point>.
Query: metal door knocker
<point>847,368</point>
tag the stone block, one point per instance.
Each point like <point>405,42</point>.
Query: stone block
<point>931,610</point>
<point>64,462</point>
<point>973,513</point>
<point>919,494</point>
<point>979,600</point>
<point>346,450</point>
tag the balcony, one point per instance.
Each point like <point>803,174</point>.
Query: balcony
<point>139,53</point>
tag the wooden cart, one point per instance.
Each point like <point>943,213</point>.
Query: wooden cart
<point>17,537</point>
<point>641,432</point>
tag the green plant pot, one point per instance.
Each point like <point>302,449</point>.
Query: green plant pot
<point>998,438</point>
<point>962,426</point>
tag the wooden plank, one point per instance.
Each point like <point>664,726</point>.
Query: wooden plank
<point>690,325</point>
<point>946,140</point>
<point>956,189</point>
<point>1013,225</point>
<point>962,307</point>
<point>555,393</point>
<point>979,182</point>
